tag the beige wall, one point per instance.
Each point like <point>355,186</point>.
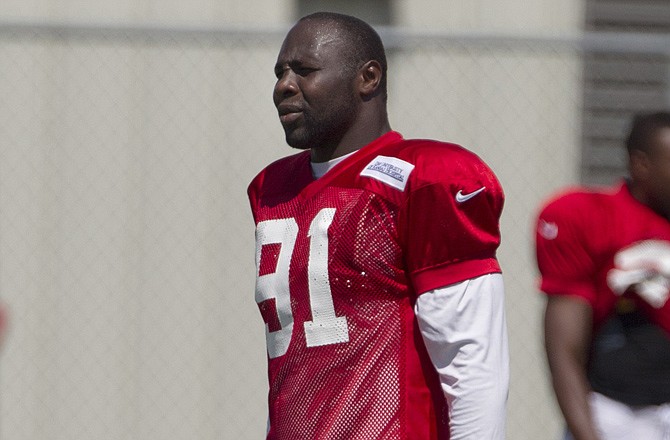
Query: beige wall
<point>126,246</point>
<point>517,17</point>
<point>172,12</point>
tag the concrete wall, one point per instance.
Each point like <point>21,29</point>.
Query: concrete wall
<point>172,12</point>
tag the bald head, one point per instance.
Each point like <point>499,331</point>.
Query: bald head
<point>644,129</point>
<point>361,43</point>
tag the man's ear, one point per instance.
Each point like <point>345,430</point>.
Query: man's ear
<point>370,78</point>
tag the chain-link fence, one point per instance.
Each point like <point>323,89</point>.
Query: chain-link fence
<point>126,243</point>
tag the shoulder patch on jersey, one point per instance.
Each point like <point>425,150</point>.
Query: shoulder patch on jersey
<point>548,230</point>
<point>389,170</point>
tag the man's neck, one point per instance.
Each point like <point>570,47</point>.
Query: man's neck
<point>349,143</point>
<point>641,196</point>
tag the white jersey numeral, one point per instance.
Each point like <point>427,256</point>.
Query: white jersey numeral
<point>275,285</point>
<point>325,327</point>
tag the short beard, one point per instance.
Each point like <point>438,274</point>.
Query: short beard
<point>324,134</point>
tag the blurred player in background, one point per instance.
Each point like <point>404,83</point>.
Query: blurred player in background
<point>376,256</point>
<point>604,257</point>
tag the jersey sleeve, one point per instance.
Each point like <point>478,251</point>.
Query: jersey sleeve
<point>563,256</point>
<point>451,220</point>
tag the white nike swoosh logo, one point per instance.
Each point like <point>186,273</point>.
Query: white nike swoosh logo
<point>460,197</point>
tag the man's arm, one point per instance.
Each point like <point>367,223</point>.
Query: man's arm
<point>464,329</point>
<point>567,327</point>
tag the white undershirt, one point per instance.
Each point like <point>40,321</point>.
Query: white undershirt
<point>464,329</point>
<point>319,169</point>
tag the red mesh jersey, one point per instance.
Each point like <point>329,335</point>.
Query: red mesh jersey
<point>340,261</point>
<point>578,234</point>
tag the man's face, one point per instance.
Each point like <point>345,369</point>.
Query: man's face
<point>658,182</point>
<point>314,93</point>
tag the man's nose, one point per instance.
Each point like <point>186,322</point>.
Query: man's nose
<point>286,84</point>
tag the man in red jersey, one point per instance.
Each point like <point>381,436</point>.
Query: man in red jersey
<point>604,257</point>
<point>376,261</point>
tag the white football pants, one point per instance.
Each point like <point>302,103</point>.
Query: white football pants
<point>618,421</point>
